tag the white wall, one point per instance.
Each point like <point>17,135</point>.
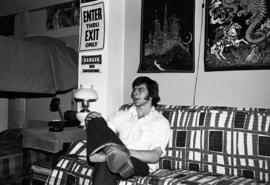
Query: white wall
<point>109,82</point>
<point>116,61</point>
<point>227,88</point>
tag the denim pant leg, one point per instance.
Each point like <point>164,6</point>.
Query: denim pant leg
<point>140,168</point>
<point>99,135</point>
<point>102,174</point>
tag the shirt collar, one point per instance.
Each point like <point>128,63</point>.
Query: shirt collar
<point>135,114</point>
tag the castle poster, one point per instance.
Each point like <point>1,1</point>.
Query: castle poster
<point>167,36</point>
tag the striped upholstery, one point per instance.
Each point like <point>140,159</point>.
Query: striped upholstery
<point>251,144</point>
<point>217,136</point>
<point>220,140</point>
<point>71,170</point>
<point>180,176</point>
<point>208,145</point>
<point>183,151</point>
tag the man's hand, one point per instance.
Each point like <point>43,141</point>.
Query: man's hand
<point>91,115</point>
<point>97,157</point>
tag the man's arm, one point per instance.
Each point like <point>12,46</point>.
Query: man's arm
<point>148,156</point>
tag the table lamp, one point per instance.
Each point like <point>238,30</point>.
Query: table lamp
<point>57,126</point>
<point>84,95</point>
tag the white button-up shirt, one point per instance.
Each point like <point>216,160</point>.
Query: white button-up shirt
<point>146,133</point>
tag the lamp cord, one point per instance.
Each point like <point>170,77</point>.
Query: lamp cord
<point>199,54</point>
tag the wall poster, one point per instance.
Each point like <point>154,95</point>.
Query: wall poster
<point>167,36</point>
<point>63,15</point>
<point>92,26</point>
<point>237,35</point>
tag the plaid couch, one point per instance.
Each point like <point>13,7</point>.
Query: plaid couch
<point>11,157</point>
<point>208,145</point>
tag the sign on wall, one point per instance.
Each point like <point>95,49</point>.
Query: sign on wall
<point>92,27</point>
<point>91,63</point>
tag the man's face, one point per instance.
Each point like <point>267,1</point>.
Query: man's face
<point>140,95</point>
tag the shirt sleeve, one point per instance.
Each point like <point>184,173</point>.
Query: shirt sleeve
<point>112,121</point>
<point>161,136</point>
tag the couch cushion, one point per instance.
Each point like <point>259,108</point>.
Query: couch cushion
<point>173,177</point>
<point>70,170</point>
<point>221,140</point>
<point>184,148</point>
<point>251,151</point>
<point>217,133</point>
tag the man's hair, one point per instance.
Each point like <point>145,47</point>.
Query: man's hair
<point>152,87</point>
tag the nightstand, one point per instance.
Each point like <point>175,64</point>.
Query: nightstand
<point>54,144</point>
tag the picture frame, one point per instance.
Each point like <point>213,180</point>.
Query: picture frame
<point>167,36</point>
<point>237,35</point>
<point>63,15</point>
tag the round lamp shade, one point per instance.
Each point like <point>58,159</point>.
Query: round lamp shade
<point>86,93</point>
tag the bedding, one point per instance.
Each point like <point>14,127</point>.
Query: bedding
<point>37,65</point>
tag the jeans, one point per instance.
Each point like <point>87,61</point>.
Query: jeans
<point>100,135</point>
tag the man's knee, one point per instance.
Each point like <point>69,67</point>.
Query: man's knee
<point>96,122</point>
<point>141,168</point>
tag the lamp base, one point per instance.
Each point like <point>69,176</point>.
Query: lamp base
<point>81,117</point>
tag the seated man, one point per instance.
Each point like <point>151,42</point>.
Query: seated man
<point>132,141</point>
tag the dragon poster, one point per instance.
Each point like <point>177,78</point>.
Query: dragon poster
<point>237,35</point>
<point>167,36</point>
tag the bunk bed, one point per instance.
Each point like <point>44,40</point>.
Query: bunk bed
<point>37,65</point>
<point>32,66</point>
